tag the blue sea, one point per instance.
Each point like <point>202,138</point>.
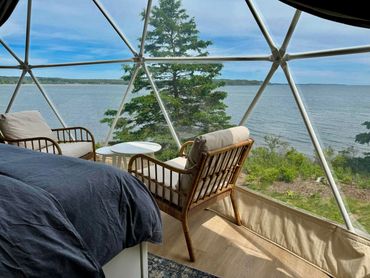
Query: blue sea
<point>336,111</point>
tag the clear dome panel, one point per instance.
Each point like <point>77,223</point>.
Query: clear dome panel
<point>100,71</point>
<point>92,103</point>
<point>315,33</point>
<point>7,87</point>
<point>277,17</point>
<point>346,69</point>
<point>82,101</point>
<point>194,103</point>
<point>242,81</point>
<point>282,164</point>
<point>13,31</point>
<point>71,31</point>
<point>239,37</point>
<point>142,118</point>
<point>340,110</point>
<point>6,59</point>
<point>30,98</point>
<point>127,15</point>
<point>199,101</point>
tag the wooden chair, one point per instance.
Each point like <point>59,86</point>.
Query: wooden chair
<point>29,130</point>
<point>194,181</point>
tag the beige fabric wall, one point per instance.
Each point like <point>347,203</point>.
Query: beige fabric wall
<point>326,245</point>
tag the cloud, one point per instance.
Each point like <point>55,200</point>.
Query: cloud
<point>65,31</point>
<point>221,17</point>
<point>12,29</point>
<point>6,60</point>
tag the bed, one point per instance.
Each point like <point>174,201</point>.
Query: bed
<point>65,217</point>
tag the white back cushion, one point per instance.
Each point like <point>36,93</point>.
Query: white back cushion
<point>216,140</point>
<point>25,124</point>
<point>209,142</point>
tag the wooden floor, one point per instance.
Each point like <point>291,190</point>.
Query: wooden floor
<point>227,250</point>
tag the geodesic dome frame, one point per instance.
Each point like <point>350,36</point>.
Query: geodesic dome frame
<point>278,58</point>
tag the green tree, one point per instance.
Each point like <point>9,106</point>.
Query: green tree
<point>364,138</point>
<point>190,92</point>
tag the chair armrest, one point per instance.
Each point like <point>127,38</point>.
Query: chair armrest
<point>161,179</point>
<point>73,134</point>
<point>76,134</point>
<point>139,159</point>
<point>185,148</point>
<point>34,143</point>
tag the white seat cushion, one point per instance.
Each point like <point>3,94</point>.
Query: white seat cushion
<point>25,124</point>
<point>76,149</point>
<point>178,162</point>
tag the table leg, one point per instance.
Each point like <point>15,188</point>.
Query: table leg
<point>119,157</point>
<point>114,160</point>
<point>125,166</point>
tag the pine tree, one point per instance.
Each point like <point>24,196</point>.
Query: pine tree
<point>190,92</point>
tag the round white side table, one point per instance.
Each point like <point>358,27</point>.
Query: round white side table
<point>105,152</point>
<point>128,149</point>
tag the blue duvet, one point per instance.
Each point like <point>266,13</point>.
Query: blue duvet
<point>65,217</point>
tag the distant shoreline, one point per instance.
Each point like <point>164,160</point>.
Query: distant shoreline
<point>56,80</point>
<point>9,80</point>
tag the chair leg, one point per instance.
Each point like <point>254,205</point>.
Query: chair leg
<point>185,227</point>
<point>235,208</point>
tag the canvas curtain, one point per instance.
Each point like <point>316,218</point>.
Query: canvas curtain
<point>353,12</point>
<point>327,245</point>
<point>6,9</point>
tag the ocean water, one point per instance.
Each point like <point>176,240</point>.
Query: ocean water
<point>336,111</point>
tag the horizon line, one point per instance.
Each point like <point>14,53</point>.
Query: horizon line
<point>220,79</point>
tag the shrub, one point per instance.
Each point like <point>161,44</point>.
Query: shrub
<point>269,175</point>
<point>350,169</point>
<point>287,174</point>
<point>279,162</point>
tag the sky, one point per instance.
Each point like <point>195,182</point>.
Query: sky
<point>75,30</point>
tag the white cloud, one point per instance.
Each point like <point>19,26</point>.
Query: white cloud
<point>11,29</point>
<point>221,17</point>
<point>78,29</point>
<point>8,61</point>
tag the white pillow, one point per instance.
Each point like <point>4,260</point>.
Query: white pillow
<point>25,124</point>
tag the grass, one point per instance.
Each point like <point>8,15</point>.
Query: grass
<point>323,206</point>
<point>278,162</point>
<point>361,212</point>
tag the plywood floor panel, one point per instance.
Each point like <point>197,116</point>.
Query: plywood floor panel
<point>226,250</point>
